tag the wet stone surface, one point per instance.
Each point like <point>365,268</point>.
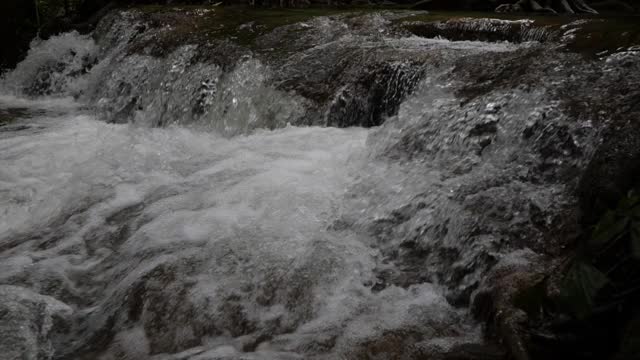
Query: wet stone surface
<point>317,188</point>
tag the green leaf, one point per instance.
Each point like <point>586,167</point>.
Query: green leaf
<point>607,229</point>
<point>580,287</point>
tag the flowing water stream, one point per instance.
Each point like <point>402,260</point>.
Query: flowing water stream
<point>195,204</point>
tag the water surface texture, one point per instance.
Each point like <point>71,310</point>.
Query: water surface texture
<point>335,187</point>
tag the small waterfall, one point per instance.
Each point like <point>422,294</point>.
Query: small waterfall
<point>177,90</point>
<point>52,67</point>
<point>149,91</point>
<point>221,86</point>
<point>493,30</point>
<point>333,188</point>
<point>337,74</point>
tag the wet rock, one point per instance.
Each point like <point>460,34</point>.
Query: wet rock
<point>472,352</point>
<point>376,95</point>
<point>487,125</point>
<point>30,324</point>
<point>496,300</point>
<point>439,5</point>
<point>492,30</point>
<point>475,159</point>
<point>613,171</point>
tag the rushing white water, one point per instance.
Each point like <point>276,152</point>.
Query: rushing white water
<point>170,208</point>
<point>95,210</point>
<point>52,66</point>
<point>187,242</point>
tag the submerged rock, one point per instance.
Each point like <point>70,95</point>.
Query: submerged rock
<point>30,324</point>
<point>235,232</point>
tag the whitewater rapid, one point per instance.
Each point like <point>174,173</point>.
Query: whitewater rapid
<point>238,238</point>
<point>198,205</point>
<point>245,223</point>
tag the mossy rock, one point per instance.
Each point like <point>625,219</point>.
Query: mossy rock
<point>242,25</point>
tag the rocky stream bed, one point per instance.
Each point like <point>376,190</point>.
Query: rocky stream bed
<point>223,183</point>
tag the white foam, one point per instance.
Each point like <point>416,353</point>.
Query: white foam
<point>58,62</point>
<point>257,207</point>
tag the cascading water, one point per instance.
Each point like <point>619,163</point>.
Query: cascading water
<point>174,206</point>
